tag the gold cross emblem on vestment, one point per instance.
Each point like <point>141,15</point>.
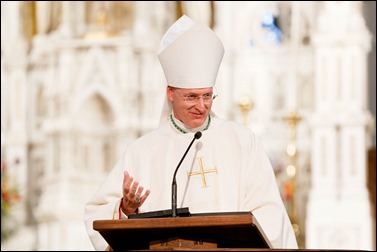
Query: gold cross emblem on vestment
<point>202,172</point>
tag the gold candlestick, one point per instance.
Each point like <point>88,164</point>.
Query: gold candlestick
<point>292,119</point>
<point>245,106</point>
<point>99,26</point>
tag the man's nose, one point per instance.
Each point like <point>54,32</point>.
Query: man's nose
<point>200,102</point>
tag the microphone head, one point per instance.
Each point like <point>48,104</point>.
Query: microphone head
<point>198,135</point>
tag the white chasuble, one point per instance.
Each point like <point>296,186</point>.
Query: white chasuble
<point>226,170</point>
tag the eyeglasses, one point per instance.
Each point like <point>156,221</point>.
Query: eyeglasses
<point>193,98</point>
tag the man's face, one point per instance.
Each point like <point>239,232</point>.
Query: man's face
<point>190,106</point>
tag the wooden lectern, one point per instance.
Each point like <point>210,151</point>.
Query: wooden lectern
<point>197,231</point>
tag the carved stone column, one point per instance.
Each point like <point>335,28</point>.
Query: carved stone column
<point>339,211</point>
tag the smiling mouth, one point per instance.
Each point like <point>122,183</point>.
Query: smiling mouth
<point>198,116</point>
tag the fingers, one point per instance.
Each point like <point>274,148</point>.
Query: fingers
<point>138,192</point>
<point>144,197</point>
<point>141,197</point>
<point>132,194</point>
<point>127,181</point>
<point>129,185</point>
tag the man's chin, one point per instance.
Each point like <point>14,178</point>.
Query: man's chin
<point>197,123</point>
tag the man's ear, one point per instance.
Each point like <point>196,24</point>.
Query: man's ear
<point>169,93</point>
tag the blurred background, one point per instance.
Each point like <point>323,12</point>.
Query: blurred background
<point>80,80</point>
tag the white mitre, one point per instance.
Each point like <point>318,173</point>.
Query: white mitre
<point>190,55</point>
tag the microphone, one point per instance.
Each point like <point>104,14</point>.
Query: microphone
<point>174,183</point>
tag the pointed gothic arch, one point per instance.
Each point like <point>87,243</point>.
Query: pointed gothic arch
<point>94,116</point>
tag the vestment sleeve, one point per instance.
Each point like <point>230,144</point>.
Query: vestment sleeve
<point>104,204</point>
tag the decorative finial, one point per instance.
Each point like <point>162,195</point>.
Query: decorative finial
<point>245,106</point>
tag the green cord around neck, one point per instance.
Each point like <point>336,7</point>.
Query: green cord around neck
<point>182,130</point>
